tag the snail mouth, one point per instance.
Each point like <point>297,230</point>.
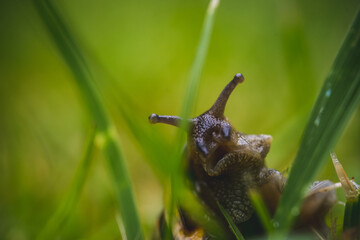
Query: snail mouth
<point>214,160</point>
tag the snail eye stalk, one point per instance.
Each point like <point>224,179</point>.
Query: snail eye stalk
<point>218,108</point>
<point>170,120</point>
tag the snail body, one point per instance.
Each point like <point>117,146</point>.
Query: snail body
<point>226,164</point>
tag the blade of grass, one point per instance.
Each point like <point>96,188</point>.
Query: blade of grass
<point>231,223</point>
<point>352,215</point>
<point>70,51</point>
<point>177,177</point>
<point>262,211</point>
<point>336,102</point>
<point>56,223</point>
<point>199,61</point>
<point>194,78</point>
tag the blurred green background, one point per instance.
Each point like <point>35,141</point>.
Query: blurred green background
<point>145,49</point>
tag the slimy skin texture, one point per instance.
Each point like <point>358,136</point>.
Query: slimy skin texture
<point>224,164</point>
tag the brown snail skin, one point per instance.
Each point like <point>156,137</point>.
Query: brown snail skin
<point>225,164</point>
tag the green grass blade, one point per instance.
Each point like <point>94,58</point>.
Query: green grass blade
<point>262,211</point>
<point>56,223</point>
<point>194,77</point>
<point>199,61</point>
<point>352,214</point>
<point>336,102</point>
<point>189,102</point>
<point>231,223</point>
<point>72,55</point>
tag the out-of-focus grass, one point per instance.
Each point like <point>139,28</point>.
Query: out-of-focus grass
<point>148,48</point>
<point>70,51</point>
<point>67,206</point>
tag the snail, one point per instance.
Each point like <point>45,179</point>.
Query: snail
<point>225,164</point>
